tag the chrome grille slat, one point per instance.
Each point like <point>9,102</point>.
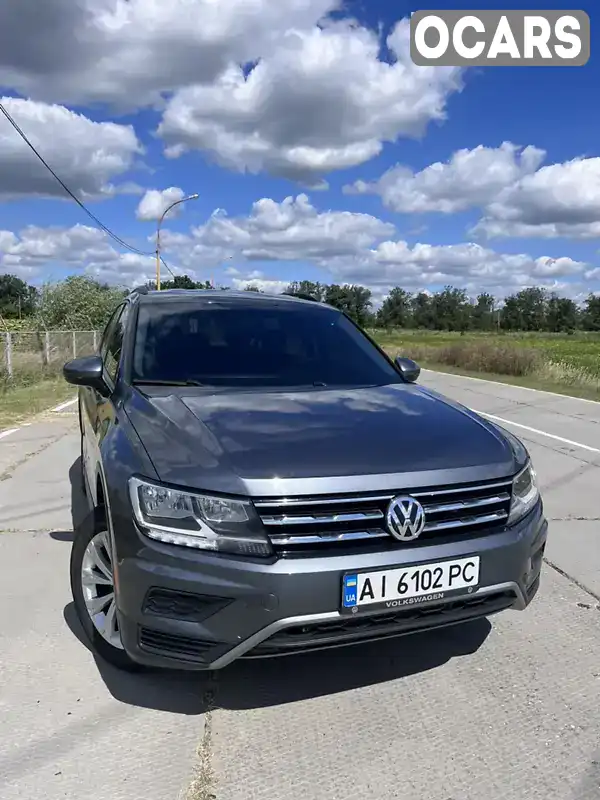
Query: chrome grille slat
<point>442,508</point>
<point>282,540</point>
<point>285,502</point>
<point>484,519</point>
<point>325,519</point>
<point>306,524</point>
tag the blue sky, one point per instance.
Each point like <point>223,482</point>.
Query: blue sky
<point>540,222</point>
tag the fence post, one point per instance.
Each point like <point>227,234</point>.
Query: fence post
<point>8,354</point>
<point>74,344</point>
<point>95,341</point>
<point>46,348</point>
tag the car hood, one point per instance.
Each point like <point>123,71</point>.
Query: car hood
<point>332,440</point>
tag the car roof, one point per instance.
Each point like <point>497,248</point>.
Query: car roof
<point>226,296</point>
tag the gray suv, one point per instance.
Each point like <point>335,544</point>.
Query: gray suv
<point>264,480</point>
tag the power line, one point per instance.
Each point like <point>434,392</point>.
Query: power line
<point>92,216</point>
<point>164,263</point>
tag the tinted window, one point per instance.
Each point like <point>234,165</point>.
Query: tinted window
<point>108,331</point>
<point>113,343</point>
<point>255,345</point>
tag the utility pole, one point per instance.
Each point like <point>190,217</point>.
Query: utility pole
<point>160,221</point>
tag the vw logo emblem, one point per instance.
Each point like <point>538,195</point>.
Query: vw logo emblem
<point>405,518</point>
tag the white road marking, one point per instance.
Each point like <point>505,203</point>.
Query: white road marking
<point>8,432</point>
<point>62,406</point>
<point>540,433</point>
<point>512,386</point>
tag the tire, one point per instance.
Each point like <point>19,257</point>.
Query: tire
<point>91,556</point>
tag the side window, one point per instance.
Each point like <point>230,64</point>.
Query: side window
<point>106,334</point>
<point>113,343</point>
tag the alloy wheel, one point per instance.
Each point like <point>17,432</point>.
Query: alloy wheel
<point>98,585</point>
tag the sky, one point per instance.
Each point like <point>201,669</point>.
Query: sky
<point>318,149</point>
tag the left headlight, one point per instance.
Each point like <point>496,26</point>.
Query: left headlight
<point>201,521</point>
<point>525,494</point>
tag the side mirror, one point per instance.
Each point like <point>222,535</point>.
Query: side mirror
<point>86,371</point>
<point>409,369</point>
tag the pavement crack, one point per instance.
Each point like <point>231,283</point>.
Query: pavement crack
<point>570,578</point>
<point>9,471</point>
<point>203,784</point>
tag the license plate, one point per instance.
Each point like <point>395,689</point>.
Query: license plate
<point>409,585</point>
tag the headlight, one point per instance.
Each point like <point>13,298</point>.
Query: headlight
<point>525,494</point>
<point>191,519</point>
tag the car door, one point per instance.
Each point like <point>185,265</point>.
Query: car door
<point>99,411</point>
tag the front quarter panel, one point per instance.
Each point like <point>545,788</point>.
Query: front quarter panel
<point>122,455</point>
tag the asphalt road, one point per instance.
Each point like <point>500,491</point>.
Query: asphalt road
<point>500,711</point>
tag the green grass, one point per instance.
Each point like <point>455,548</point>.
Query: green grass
<point>555,362</point>
<point>21,402</point>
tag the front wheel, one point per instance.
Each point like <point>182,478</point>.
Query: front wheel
<point>93,588</point>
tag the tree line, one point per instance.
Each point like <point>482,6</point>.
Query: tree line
<point>451,309</point>
<point>81,303</point>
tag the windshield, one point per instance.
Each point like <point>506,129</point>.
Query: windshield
<point>247,345</point>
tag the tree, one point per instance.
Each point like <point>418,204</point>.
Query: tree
<point>511,314</point>
<point>395,310</point>
<point>77,303</point>
<point>316,291</point>
<point>355,301</point>
<point>17,298</point>
<point>482,313</point>
<point>562,314</point>
<point>533,304</point>
<point>179,282</point>
<point>422,311</point>
<point>451,309</point>
<point>591,313</point>
<point>252,288</point>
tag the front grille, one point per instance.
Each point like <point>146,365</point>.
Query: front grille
<point>313,525</point>
<point>371,627</point>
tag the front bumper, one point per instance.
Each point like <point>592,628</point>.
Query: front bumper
<point>189,610</point>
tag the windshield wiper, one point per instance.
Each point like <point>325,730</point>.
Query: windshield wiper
<point>167,383</point>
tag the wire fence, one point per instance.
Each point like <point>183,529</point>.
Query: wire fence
<point>27,356</point>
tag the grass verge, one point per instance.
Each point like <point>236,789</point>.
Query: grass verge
<point>514,365</point>
<point>512,380</point>
<point>21,402</point>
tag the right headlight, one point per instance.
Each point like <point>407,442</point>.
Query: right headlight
<point>525,494</point>
<point>198,520</point>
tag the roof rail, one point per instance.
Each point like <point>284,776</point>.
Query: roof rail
<point>301,296</point>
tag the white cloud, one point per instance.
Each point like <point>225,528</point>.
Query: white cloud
<point>260,281</point>
<point>321,101</point>
<point>131,52</point>
<point>345,247</point>
<point>87,155</point>
<point>291,230</point>
<point>470,178</point>
<point>519,197</point>
<point>467,266</point>
<point>37,251</point>
<point>559,200</point>
<point>155,202</point>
